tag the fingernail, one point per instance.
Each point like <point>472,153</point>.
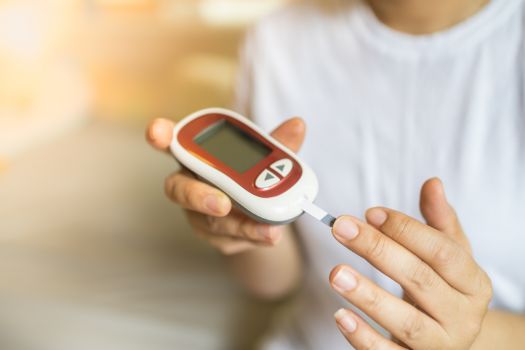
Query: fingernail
<point>345,228</point>
<point>344,280</point>
<point>346,321</point>
<point>215,203</point>
<point>376,217</point>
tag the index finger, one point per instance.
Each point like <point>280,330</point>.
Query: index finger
<point>159,133</point>
<point>448,258</point>
<point>422,283</point>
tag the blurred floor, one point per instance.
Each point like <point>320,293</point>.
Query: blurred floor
<point>94,257</point>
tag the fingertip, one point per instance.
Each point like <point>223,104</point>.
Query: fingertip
<point>436,209</point>
<point>346,320</point>
<point>159,133</point>
<point>345,228</point>
<point>441,187</point>
<point>434,185</point>
<point>376,216</point>
<point>334,272</point>
<point>291,133</point>
<point>433,198</point>
<point>338,221</point>
<point>297,125</point>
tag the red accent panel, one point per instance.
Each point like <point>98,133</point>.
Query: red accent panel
<point>247,179</point>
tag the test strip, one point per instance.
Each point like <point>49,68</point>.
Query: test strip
<point>318,213</point>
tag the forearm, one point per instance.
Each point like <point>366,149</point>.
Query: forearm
<point>270,272</point>
<point>501,330</point>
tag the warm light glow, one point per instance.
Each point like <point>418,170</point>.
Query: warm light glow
<point>41,89</point>
<point>141,58</point>
<point>235,13</point>
<point>19,31</point>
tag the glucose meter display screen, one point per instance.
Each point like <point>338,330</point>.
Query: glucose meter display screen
<point>232,146</point>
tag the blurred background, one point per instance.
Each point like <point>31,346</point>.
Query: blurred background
<point>92,256</point>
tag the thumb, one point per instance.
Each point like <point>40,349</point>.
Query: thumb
<point>439,214</point>
<point>291,133</point>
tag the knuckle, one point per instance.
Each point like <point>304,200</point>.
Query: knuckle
<point>186,194</point>
<point>245,228</point>
<point>213,223</point>
<point>235,227</point>
<point>377,247</point>
<point>370,342</point>
<point>199,233</point>
<point>373,300</point>
<point>413,327</point>
<point>489,290</point>
<point>486,290</point>
<point>176,192</point>
<point>175,188</point>
<point>471,327</point>
<point>422,276</point>
<point>403,226</point>
<point>488,283</point>
<point>446,253</point>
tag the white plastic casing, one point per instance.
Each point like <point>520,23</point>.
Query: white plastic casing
<point>280,209</point>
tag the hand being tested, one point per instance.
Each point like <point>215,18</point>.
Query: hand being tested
<point>447,293</point>
<point>209,210</point>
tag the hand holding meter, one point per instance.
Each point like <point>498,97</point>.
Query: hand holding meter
<point>263,177</point>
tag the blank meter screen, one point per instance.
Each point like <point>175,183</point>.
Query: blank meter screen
<point>232,146</point>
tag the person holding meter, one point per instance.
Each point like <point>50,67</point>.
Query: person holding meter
<point>394,95</point>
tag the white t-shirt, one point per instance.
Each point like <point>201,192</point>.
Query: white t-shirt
<point>385,111</point>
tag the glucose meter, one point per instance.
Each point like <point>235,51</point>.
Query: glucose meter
<point>263,177</point>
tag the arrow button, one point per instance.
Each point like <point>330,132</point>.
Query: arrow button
<point>266,179</point>
<point>282,167</point>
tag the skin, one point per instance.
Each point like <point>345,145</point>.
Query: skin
<point>267,273</point>
<point>445,304</point>
<point>433,264</point>
<point>431,261</point>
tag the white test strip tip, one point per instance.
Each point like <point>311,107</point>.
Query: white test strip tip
<point>318,213</point>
